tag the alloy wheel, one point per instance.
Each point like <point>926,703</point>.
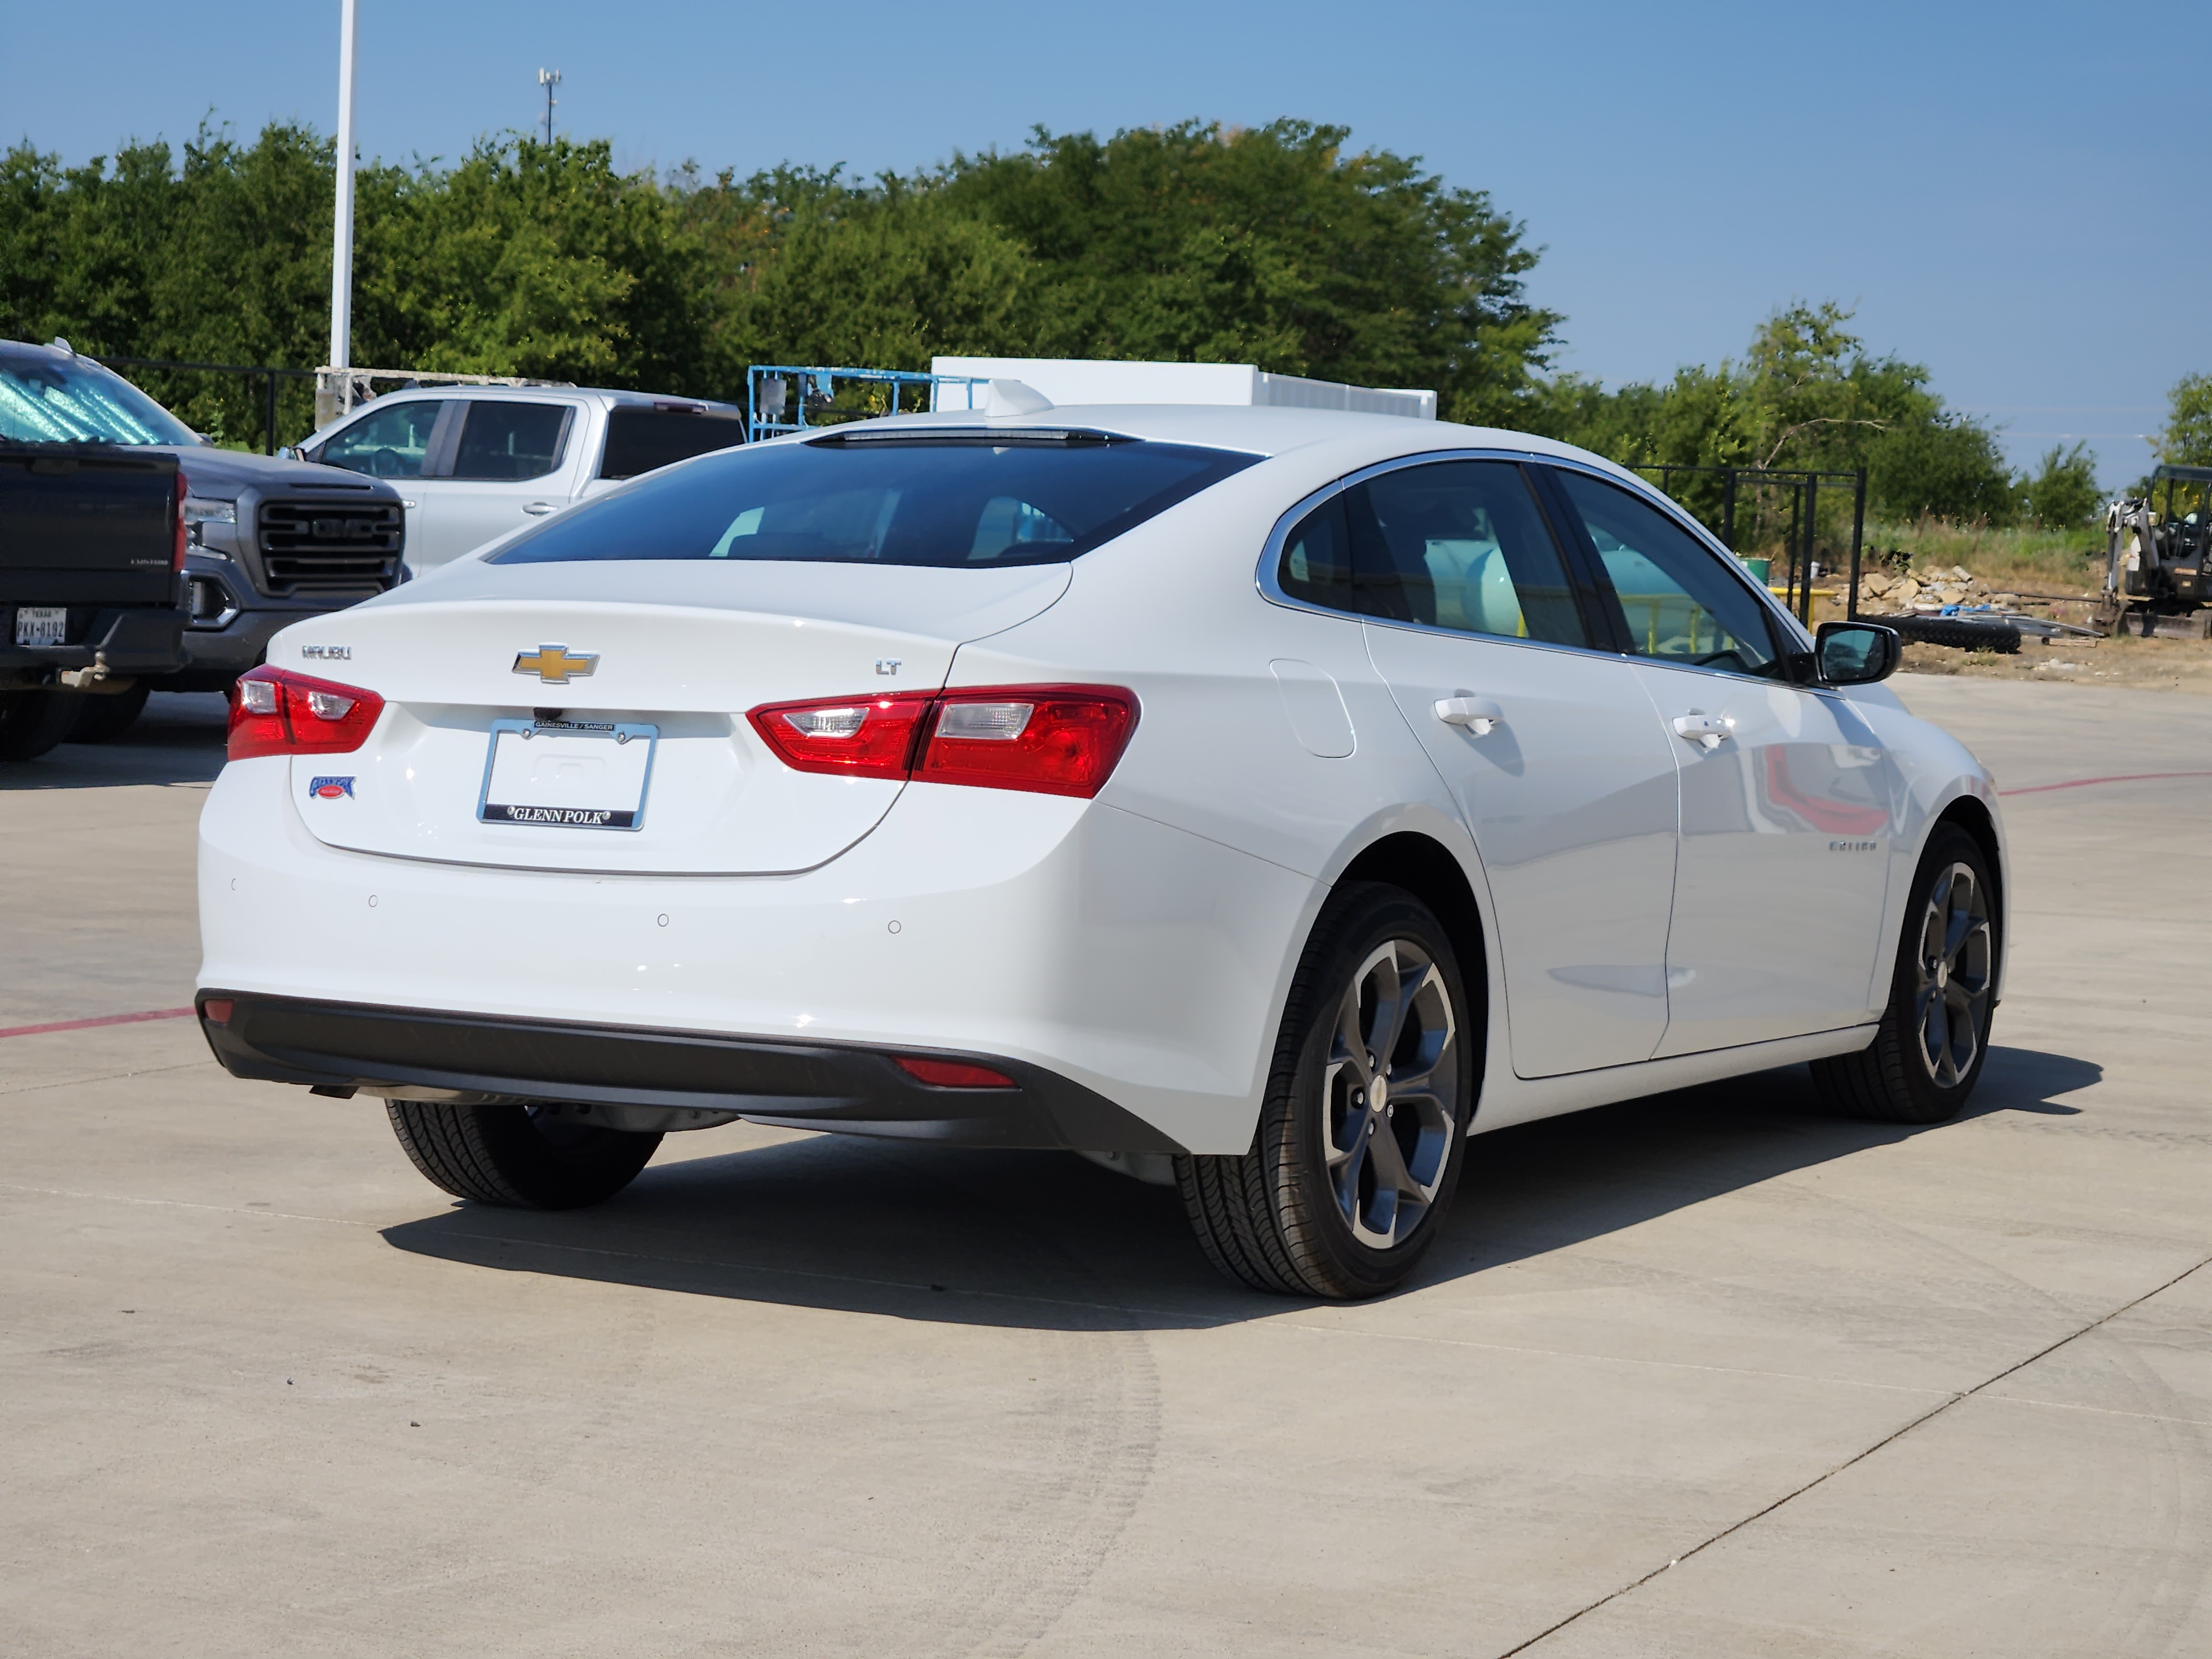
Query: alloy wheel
<point>1951,991</point>
<point>1389,1093</point>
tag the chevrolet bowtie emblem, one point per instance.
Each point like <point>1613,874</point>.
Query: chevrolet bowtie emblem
<point>555,663</point>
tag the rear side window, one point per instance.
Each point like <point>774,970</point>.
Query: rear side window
<point>960,502</point>
<point>390,442</point>
<point>1317,563</point>
<point>1453,544</point>
<point>640,440</point>
<point>509,441</point>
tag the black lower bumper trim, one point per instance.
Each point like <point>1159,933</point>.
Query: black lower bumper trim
<point>812,1085</point>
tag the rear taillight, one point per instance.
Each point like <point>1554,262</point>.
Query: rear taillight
<point>182,539</point>
<point>1051,739</point>
<point>275,712</point>
<point>1055,740</point>
<point>847,737</point>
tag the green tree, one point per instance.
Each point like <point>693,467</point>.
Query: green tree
<point>1276,246</point>
<point>2187,439</point>
<point>2062,493</point>
<point>1806,396</point>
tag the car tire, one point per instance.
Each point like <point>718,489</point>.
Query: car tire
<point>33,722</point>
<point>1344,1189</point>
<point>106,717</point>
<point>1927,1051</point>
<point>515,1155</point>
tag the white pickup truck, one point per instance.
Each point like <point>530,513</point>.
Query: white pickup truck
<point>474,462</point>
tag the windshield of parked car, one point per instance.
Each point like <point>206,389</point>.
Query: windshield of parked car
<point>961,502</point>
<point>46,399</point>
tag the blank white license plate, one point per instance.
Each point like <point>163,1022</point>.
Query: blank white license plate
<point>569,774</point>
<point>41,624</point>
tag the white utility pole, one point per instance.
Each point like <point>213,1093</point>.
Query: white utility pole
<point>341,229</point>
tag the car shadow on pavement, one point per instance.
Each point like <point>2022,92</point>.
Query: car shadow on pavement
<point>179,738</point>
<point>1045,1240</point>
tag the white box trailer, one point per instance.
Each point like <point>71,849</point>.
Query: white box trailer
<point>1098,380</point>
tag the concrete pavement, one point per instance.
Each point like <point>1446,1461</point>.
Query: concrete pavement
<point>1705,1374</point>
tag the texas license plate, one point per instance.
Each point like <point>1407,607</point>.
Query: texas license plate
<point>568,774</point>
<point>41,624</point>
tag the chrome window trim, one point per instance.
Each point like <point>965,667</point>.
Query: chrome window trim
<point>1271,557</point>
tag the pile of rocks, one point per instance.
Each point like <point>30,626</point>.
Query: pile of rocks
<point>1924,592</point>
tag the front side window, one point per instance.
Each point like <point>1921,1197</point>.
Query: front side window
<point>953,501</point>
<point>1680,603</point>
<point>392,441</point>
<point>507,442</point>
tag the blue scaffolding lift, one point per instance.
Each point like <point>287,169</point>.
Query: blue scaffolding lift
<point>779,397</point>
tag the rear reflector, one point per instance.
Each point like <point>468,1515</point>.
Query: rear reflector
<point>1050,739</point>
<point>952,1073</point>
<point>274,711</point>
<point>216,1011</point>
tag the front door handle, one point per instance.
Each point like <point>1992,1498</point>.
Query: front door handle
<point>538,509</point>
<point>1481,715</point>
<point>1704,730</point>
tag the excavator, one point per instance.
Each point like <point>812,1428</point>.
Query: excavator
<point>2156,548</point>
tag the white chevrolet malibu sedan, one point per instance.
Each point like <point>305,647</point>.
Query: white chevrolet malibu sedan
<point>1264,801</point>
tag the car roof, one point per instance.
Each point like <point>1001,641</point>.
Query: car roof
<point>1258,430</point>
<point>527,393</point>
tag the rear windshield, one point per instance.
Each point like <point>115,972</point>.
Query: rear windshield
<point>639,439</point>
<point>46,399</point>
<point>939,500</point>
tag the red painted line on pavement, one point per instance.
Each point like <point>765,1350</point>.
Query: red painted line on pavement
<point>105,1019</point>
<point>2076,783</point>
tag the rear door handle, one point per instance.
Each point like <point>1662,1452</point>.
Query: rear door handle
<point>1706,730</point>
<point>1481,715</point>
<point>538,509</point>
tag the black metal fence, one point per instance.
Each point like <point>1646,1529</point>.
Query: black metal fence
<point>1788,515</point>
<point>271,377</point>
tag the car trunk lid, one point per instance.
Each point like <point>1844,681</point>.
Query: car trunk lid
<point>468,666</point>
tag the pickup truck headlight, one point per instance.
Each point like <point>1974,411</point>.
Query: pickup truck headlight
<point>201,511</point>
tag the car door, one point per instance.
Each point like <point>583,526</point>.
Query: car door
<point>1550,747</point>
<point>1787,798</point>
<point>504,463</point>
<point>397,439</point>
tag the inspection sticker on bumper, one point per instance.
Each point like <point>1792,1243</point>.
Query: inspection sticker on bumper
<point>568,774</point>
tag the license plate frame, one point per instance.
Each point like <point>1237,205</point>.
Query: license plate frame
<point>41,625</point>
<point>553,814</point>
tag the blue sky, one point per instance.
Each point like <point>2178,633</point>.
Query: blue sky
<point>2003,191</point>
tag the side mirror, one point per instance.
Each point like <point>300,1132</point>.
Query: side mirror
<point>1857,654</point>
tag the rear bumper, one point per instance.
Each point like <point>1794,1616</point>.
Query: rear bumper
<point>1143,965</point>
<point>855,1089</point>
<point>129,640</point>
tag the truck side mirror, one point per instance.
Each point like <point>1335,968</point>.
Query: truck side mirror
<point>1857,654</point>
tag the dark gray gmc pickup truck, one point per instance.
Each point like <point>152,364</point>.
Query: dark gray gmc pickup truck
<point>267,540</point>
